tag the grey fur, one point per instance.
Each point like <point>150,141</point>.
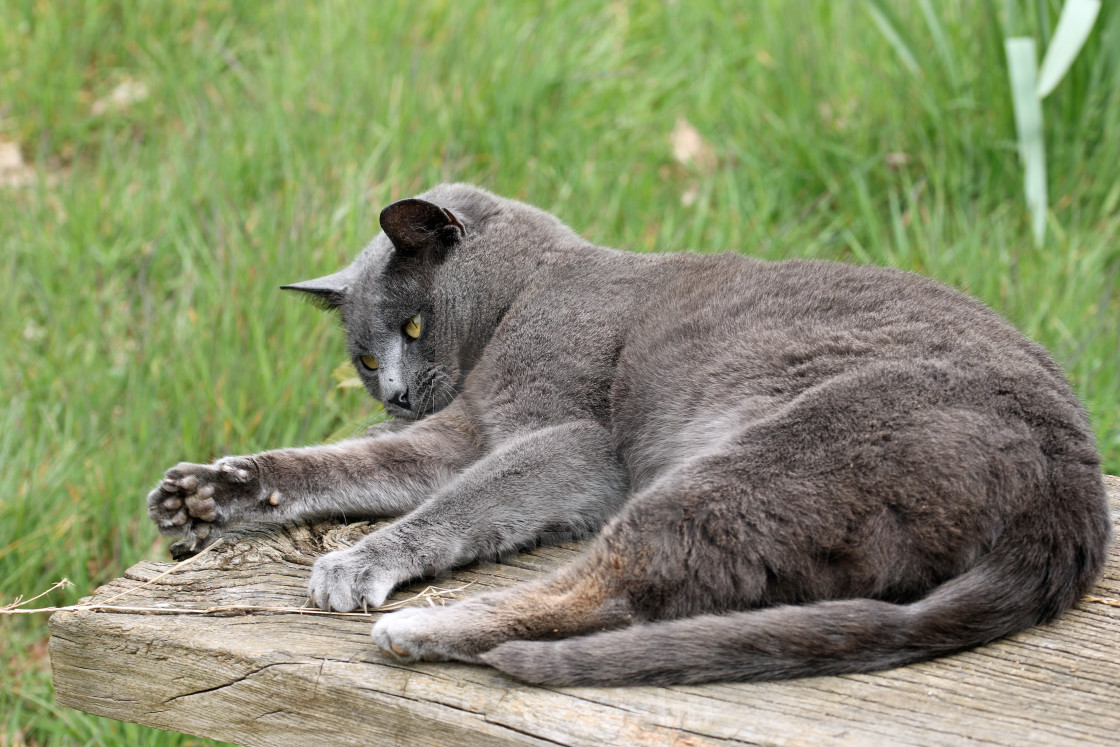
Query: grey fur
<point>798,467</point>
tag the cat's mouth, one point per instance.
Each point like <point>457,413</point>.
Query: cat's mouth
<point>400,412</point>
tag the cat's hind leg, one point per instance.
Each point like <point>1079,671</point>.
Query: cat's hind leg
<point>575,601</point>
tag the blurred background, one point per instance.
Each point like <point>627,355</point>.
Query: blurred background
<point>164,167</point>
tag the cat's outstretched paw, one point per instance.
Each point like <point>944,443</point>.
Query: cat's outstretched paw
<point>351,579</point>
<point>197,501</point>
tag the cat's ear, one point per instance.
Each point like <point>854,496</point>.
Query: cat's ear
<point>328,291</point>
<point>419,228</point>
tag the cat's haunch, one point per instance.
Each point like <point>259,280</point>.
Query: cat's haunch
<point>793,468</point>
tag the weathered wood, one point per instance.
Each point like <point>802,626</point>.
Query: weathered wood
<point>264,678</point>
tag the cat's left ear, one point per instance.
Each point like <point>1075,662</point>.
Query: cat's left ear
<point>419,228</point>
<point>328,291</point>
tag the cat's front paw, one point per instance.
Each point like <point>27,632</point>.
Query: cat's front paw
<point>351,579</point>
<point>198,501</point>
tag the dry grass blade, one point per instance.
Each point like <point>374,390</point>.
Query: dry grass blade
<point>431,594</point>
<point>19,601</point>
<point>1101,600</point>
<point>168,572</point>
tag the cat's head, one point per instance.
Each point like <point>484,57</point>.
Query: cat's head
<point>411,320</point>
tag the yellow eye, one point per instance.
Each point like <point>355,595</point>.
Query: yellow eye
<point>369,362</point>
<point>412,327</point>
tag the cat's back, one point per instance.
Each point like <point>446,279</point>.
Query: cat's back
<point>722,339</point>
<point>702,315</point>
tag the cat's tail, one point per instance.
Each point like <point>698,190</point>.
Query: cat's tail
<point>1012,588</point>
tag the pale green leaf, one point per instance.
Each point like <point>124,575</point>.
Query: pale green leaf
<point>346,376</point>
<point>1074,25</point>
<point>1021,62</point>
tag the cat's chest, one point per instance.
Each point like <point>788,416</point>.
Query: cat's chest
<point>548,364</point>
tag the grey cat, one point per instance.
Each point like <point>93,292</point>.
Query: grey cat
<point>797,468</point>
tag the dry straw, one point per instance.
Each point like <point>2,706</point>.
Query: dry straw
<point>432,595</point>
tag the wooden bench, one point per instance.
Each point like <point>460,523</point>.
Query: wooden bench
<point>269,677</point>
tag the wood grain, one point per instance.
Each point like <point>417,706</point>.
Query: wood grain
<point>268,677</point>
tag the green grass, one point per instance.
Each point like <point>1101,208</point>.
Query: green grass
<point>139,313</point>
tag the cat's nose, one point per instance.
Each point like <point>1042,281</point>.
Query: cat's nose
<point>400,399</point>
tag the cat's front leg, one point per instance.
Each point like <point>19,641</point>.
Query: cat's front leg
<point>564,478</point>
<point>363,477</point>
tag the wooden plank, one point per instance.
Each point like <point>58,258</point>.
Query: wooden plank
<point>261,678</point>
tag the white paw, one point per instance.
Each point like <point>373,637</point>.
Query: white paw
<point>418,633</point>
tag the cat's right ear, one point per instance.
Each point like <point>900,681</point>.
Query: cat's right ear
<point>421,229</point>
<point>328,292</point>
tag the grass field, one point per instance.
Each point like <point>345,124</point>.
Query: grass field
<point>168,165</point>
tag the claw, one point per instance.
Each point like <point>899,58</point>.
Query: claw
<point>236,473</point>
<point>169,485</point>
<point>365,606</point>
<point>398,651</point>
